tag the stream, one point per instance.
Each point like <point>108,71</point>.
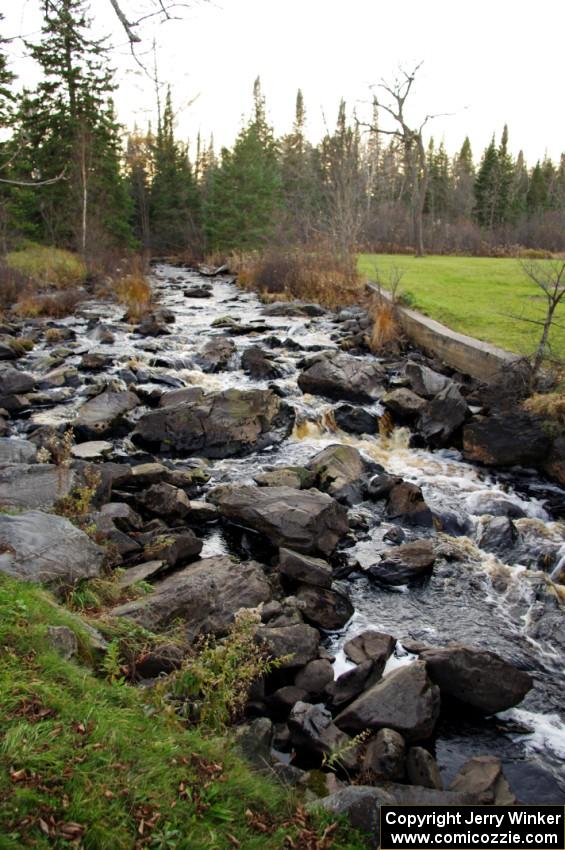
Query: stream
<point>472,597</point>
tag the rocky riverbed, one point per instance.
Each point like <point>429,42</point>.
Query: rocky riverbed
<point>399,531</point>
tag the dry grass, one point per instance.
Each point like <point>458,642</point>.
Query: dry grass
<point>56,306</point>
<point>48,266</point>
<point>386,335</point>
<point>548,406</point>
<point>134,292</point>
<point>309,274</point>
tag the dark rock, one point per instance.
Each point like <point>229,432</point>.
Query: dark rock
<point>380,486</point>
<point>403,403</point>
<point>165,501</point>
<point>304,568</point>
<point>106,531</point>
<point>37,485</point>
<point>404,563</point>
<point>353,682</point>
<point>297,477</point>
<point>296,644</point>
<point>216,354</point>
<point>424,381</point>
<point>205,595</point>
<point>302,520</point>
<point>385,756</point>
<point>422,769</point>
<point>341,472</point>
<point>406,504</point>
<point>13,450</point>
<point>327,609</point>
<point>255,741</point>
<point>478,678</point>
<point>395,535</point>
<point>163,658</point>
<point>224,424</point>
<point>14,382</point>
<point>355,420</point>
<point>152,325</point>
<point>174,548</point>
<point>292,308</point>
<point>515,439</point>
<point>315,676</point>
<point>174,397</point>
<point>342,376</point>
<point>124,517</point>
<point>94,361</point>
<point>443,416</point>
<point>258,365</point>
<point>147,571</point>
<point>370,646</point>
<point>105,413</point>
<point>482,778</point>
<point>283,699</point>
<point>498,535</point>
<point>203,291</point>
<point>555,463</point>
<point>405,700</point>
<point>312,728</point>
<point>43,547</point>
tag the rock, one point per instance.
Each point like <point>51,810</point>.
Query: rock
<point>404,563</point>
<point>101,334</point>
<point>424,381</point>
<point>422,769</point>
<point>498,535</point>
<point>312,728</point>
<point>407,505</point>
<point>105,413</point>
<point>215,354</point>
<point>205,595</point>
<point>355,420</point>
<point>304,568</point>
<point>353,682</point>
<point>342,376</point>
<point>493,503</point>
<point>63,376</point>
<point>202,512</point>
<point>39,485</point>
<point>152,325</point>
<point>163,658</point>
<point>297,644</point>
<point>283,699</point>
<point>478,678</point>
<point>370,646</point>
<point>340,471</point>
<point>511,440</point>
<point>314,677</point>
<point>93,450</point>
<point>293,308</point>
<point>403,403</point>
<point>107,531</point>
<point>145,475</point>
<point>288,775</point>
<point>297,477</point>
<point>224,424</point>
<point>255,741</point>
<point>63,640</point>
<point>327,609</point>
<point>203,291</point>
<point>176,549</point>
<point>258,365</point>
<point>405,700</point>
<point>174,397</point>
<point>147,571</point>
<point>482,778</point>
<point>385,756</point>
<point>165,501</point>
<point>124,517</point>
<point>555,463</point>
<point>7,352</point>
<point>380,486</point>
<point>94,361</point>
<point>443,416</point>
<point>47,548</point>
<point>395,535</point>
<point>14,382</point>
<point>14,450</point>
<point>303,520</point>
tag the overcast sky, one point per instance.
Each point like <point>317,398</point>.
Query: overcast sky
<point>487,63</point>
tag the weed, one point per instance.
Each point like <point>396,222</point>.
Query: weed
<point>78,503</point>
<point>134,292</point>
<point>56,306</point>
<point>548,406</point>
<point>337,758</point>
<point>21,345</point>
<point>54,335</point>
<point>47,266</point>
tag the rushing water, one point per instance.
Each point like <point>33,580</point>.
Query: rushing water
<point>472,597</point>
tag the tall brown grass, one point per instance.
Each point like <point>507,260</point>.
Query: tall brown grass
<point>386,334</point>
<point>55,305</point>
<point>134,292</point>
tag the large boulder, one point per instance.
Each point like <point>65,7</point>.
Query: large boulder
<point>510,440</point>
<point>14,450</point>
<point>165,501</point>
<point>478,678</point>
<point>37,485</point>
<point>42,547</point>
<point>215,355</point>
<point>312,728</point>
<point>404,563</point>
<point>355,420</point>
<point>325,608</point>
<point>104,413</point>
<point>304,568</point>
<point>406,504</point>
<point>424,381</point>
<point>303,520</point>
<point>340,471</point>
<point>385,756</point>
<point>205,596</point>
<point>405,700</point>
<point>443,416</point>
<point>370,646</point>
<point>482,778</point>
<point>342,376</point>
<point>296,645</point>
<point>256,363</point>
<point>403,403</point>
<point>222,424</point>
<point>13,381</point>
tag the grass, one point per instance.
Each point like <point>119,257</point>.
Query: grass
<point>48,266</point>
<point>134,292</point>
<point>93,764</point>
<point>478,296</point>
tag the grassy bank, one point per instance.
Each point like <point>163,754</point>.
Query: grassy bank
<point>479,296</point>
<point>89,763</point>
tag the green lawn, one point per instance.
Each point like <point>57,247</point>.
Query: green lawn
<point>478,296</point>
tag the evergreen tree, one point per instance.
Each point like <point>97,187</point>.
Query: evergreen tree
<point>504,176</point>
<point>139,169</point>
<point>519,189</point>
<point>463,170</point>
<point>486,187</point>
<point>537,192</point>
<point>300,183</point>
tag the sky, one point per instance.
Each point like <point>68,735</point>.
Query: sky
<point>485,63</point>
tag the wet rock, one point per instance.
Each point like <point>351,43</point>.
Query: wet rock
<point>14,450</point>
<point>404,563</point>
<point>302,520</point>
<point>355,420</point>
<point>482,778</point>
<point>555,463</point>
<point>101,334</point>
<point>152,325</point>
<point>352,683</point>
<point>205,595</point>
<point>39,485</point>
<point>340,471</point>
<point>312,728</point>
<point>342,376</point>
<point>94,361</point>
<point>493,503</point>
<point>15,404</point>
<point>165,501</point>
<point>148,571</point>
<point>41,547</point>
<point>370,646</point>
<point>478,678</point>
<point>63,376</point>
<point>403,403</point>
<point>422,769</point>
<point>225,424</point>
<point>174,548</point>
<point>92,450</point>
<point>498,535</point>
<point>327,609</point>
<point>443,416</point>
<point>407,505</point>
<point>202,512</point>
<point>14,382</point>
<point>297,477</point>
<point>292,308</point>
<point>255,741</point>
<point>105,413</point>
<point>304,568</point>
<point>380,486</point>
<point>405,700</point>
<point>394,535</point>
<point>258,365</point>
<point>186,394</point>
<point>202,291</point>
<point>510,440</point>
<point>315,677</point>
<point>283,699</point>
<point>297,644</point>
<point>63,640</point>
<point>215,354</point>
<point>424,381</point>
<point>385,756</point>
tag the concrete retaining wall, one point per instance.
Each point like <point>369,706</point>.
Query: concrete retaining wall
<point>464,353</point>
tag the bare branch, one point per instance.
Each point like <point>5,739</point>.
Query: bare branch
<point>35,183</point>
<point>132,36</point>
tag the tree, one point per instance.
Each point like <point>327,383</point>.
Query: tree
<point>300,184</point>
<point>463,170</point>
<point>549,277</point>
<point>486,186</point>
<point>536,197</point>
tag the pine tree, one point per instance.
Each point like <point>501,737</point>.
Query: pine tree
<point>300,185</point>
<point>504,174</point>
<point>537,192</point>
<point>486,187</point>
<point>463,169</point>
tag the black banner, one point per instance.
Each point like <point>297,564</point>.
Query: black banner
<point>470,827</point>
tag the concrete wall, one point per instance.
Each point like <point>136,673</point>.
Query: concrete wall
<point>464,353</point>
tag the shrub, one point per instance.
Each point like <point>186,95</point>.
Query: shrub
<point>12,285</point>
<point>134,292</point>
<point>550,406</point>
<point>48,266</point>
<point>56,306</point>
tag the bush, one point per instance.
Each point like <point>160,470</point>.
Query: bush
<point>134,292</point>
<point>549,406</point>
<point>56,306</point>
<point>48,266</point>
<point>12,285</point>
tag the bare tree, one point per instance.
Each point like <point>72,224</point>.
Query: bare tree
<point>163,10</point>
<point>549,277</point>
<point>393,104</point>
